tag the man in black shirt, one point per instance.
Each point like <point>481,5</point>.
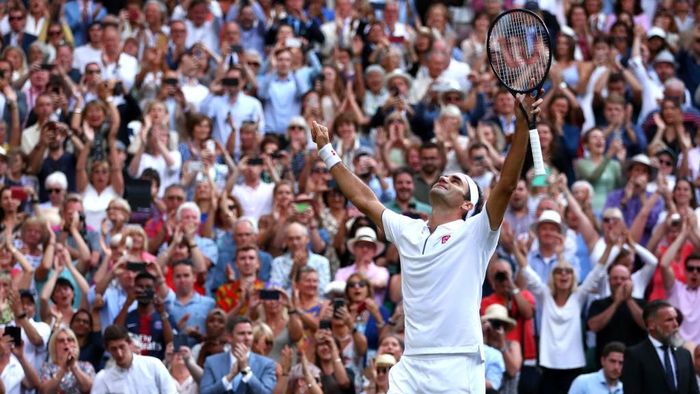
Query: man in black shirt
<point>619,316</point>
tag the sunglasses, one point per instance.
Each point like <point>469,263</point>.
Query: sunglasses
<point>295,127</point>
<point>496,324</point>
<point>320,170</point>
<point>609,220</point>
<point>92,71</point>
<point>54,32</point>
<point>382,370</point>
<point>666,162</point>
<point>54,191</point>
<point>563,271</point>
<point>16,18</point>
<point>178,198</point>
<point>692,268</point>
<point>357,284</point>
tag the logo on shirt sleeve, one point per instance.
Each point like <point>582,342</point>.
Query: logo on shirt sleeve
<point>444,239</point>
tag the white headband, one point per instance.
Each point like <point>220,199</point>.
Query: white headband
<point>473,190</point>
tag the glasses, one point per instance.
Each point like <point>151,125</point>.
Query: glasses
<point>178,198</point>
<point>396,121</point>
<point>692,268</point>
<point>320,170</point>
<point>295,127</point>
<point>92,71</point>
<point>357,284</point>
<point>496,324</point>
<point>54,191</point>
<point>382,370</point>
<point>16,18</point>
<point>560,271</point>
<point>610,220</point>
<point>55,33</point>
<point>665,162</point>
<point>254,64</point>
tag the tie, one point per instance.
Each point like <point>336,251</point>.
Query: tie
<point>668,368</point>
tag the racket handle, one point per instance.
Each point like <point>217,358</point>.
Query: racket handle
<point>536,152</point>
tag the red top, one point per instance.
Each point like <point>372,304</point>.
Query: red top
<point>517,334</point>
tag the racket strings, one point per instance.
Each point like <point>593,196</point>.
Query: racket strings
<point>519,49</point>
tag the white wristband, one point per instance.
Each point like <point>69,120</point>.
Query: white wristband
<point>329,156</point>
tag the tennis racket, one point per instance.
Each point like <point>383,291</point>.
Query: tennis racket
<point>520,53</point>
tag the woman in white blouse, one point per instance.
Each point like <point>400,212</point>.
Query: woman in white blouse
<point>561,350</point>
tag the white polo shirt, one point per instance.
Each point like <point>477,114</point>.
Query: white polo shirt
<point>441,277</point>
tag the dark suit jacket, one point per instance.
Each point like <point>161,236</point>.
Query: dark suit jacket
<point>218,365</point>
<point>27,40</point>
<point>643,371</point>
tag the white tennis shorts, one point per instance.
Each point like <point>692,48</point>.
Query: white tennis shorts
<point>440,373</point>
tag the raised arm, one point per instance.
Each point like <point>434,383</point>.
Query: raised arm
<point>513,165</point>
<point>667,274</point>
<point>352,187</point>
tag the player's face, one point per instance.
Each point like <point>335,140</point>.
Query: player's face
<point>612,365</point>
<point>451,189</point>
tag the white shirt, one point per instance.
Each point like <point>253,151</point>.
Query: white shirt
<point>124,69</point>
<point>194,92</point>
<point>659,352</point>
<point>33,25</point>
<point>96,204</point>
<point>86,54</point>
<point>12,376</point>
<point>168,174</point>
<point>30,137</point>
<point>145,375</point>
<point>255,201</point>
<point>561,346</point>
<point>36,355</point>
<point>442,273</point>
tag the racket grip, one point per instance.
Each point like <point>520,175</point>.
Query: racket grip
<point>536,152</point>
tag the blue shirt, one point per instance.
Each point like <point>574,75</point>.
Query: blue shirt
<point>282,98</point>
<point>594,383</point>
<point>282,266</point>
<point>245,108</point>
<point>197,307</point>
<point>495,366</point>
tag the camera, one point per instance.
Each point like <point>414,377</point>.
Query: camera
<point>501,276</point>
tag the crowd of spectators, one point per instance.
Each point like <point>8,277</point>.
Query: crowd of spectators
<point>166,224</point>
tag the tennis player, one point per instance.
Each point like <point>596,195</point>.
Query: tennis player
<point>443,264</point>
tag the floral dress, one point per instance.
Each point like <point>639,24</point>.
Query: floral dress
<point>69,384</point>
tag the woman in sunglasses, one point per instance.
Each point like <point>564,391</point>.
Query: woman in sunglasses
<point>562,356</point>
<point>369,316</point>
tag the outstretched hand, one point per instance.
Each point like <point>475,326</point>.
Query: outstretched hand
<point>319,134</point>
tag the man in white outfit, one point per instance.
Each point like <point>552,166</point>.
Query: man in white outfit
<point>443,264</point>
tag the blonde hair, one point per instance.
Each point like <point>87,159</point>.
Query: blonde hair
<point>133,228</point>
<point>261,329</point>
<point>574,279</point>
<point>52,341</point>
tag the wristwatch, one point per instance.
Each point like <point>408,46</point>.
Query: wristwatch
<point>246,371</point>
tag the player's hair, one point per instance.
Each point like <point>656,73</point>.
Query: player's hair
<point>479,202</point>
<point>613,347</point>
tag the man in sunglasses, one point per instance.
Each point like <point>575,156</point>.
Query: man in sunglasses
<point>443,264</point>
<point>684,296</point>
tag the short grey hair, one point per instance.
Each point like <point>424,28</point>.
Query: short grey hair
<point>56,178</point>
<point>674,83</point>
<point>185,206</point>
<point>247,220</point>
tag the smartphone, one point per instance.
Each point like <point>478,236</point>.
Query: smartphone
<point>179,341</point>
<point>292,42</point>
<point>337,304</point>
<point>136,266</point>
<point>118,89</point>
<point>301,207</point>
<point>256,161</point>
<point>236,49</point>
<point>15,333</point>
<point>210,145</point>
<point>18,193</point>
<point>170,81</point>
<point>324,325</point>
<point>269,295</point>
